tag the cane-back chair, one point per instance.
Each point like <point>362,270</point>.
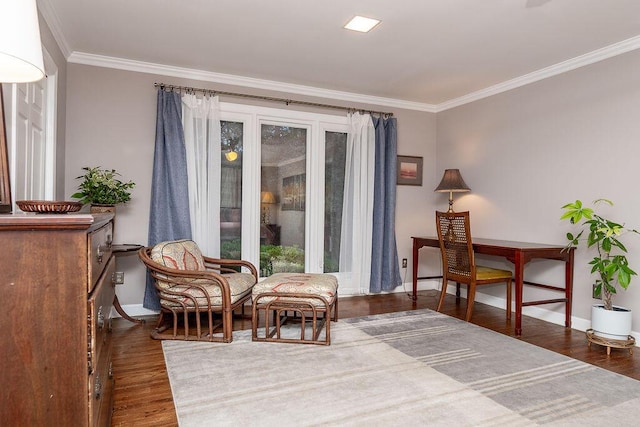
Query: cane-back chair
<point>458,261</point>
<point>193,287</point>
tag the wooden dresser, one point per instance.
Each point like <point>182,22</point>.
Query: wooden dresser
<point>56,289</point>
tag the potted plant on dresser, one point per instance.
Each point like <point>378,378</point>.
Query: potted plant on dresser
<point>610,324</point>
<point>103,189</point>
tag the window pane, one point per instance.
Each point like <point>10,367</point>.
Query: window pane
<point>231,190</point>
<point>282,199</point>
<point>335,157</point>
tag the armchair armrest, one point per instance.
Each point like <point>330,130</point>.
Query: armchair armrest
<point>223,265</point>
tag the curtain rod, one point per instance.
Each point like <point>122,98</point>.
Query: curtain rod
<point>268,98</point>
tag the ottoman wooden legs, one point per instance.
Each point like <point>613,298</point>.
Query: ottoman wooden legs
<point>306,309</point>
<point>310,297</point>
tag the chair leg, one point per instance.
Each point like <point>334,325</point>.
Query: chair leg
<point>471,296</point>
<point>227,325</point>
<point>509,299</point>
<point>443,292</point>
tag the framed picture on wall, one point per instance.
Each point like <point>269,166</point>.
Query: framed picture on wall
<point>409,170</point>
<point>293,193</point>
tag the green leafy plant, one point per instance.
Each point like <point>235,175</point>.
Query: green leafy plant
<point>610,263</point>
<point>289,257</point>
<point>102,186</point>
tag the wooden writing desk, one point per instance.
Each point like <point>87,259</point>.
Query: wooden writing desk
<point>519,253</point>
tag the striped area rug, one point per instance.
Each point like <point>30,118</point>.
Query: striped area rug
<point>400,369</point>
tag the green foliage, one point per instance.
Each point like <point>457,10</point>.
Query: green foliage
<point>610,264</point>
<point>231,249</point>
<point>287,255</point>
<point>331,265</point>
<point>290,258</point>
<point>103,187</point>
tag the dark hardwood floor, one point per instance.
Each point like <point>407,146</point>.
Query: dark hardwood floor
<point>142,394</point>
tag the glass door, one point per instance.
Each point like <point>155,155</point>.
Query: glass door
<point>283,191</point>
<point>231,189</point>
<point>335,148</point>
<point>282,196</point>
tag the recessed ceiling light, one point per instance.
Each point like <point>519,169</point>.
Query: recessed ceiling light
<point>362,24</point>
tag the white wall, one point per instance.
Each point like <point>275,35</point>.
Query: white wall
<point>527,152</point>
<point>524,153</point>
<point>111,123</point>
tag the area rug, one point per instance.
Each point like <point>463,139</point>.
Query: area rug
<point>407,368</point>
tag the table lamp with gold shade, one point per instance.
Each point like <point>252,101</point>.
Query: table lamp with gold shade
<point>267,198</point>
<point>452,182</point>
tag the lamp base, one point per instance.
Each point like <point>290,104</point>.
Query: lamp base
<point>450,202</point>
<point>266,215</point>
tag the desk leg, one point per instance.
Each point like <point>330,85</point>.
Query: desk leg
<point>568,288</point>
<point>416,249</point>
<point>121,312</point>
<point>519,279</point>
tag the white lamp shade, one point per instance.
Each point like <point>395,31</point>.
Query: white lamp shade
<point>20,48</point>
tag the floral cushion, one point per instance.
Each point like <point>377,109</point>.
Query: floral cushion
<point>185,255</point>
<point>324,285</point>
<point>179,254</point>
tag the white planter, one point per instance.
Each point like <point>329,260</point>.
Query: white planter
<point>612,324</point>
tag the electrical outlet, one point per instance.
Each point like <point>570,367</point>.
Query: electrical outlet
<point>118,277</point>
<point>404,263</point>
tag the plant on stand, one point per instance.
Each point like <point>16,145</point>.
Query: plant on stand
<point>610,263</point>
<point>102,187</point>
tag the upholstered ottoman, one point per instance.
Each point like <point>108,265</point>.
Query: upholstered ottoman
<point>309,297</point>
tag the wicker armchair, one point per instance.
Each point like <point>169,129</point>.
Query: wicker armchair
<point>458,261</point>
<point>193,287</point>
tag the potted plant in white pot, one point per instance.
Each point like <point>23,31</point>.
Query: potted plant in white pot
<point>102,189</point>
<point>609,264</point>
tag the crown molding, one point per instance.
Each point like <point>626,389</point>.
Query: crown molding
<point>171,71</point>
<point>544,73</point>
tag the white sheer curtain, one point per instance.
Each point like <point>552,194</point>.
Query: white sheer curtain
<point>357,209</point>
<point>201,117</point>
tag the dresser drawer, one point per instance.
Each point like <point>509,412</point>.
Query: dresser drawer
<point>99,315</point>
<point>99,252</point>
<point>101,383</point>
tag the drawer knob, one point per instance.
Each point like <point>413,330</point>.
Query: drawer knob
<point>97,388</point>
<point>100,318</point>
<point>99,255</point>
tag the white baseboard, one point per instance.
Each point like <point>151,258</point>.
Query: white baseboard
<point>556,318</point>
<point>538,312</point>
<point>134,310</point>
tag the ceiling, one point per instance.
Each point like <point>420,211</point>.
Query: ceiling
<point>427,52</point>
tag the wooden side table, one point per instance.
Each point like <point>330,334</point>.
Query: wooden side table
<point>123,250</point>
